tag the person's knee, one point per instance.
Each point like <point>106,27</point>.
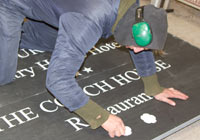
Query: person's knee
<point>8,66</point>
<point>4,79</point>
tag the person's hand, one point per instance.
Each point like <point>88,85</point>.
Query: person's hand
<point>136,49</point>
<point>170,93</point>
<point>114,126</point>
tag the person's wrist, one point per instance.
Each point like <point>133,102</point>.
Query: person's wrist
<point>93,114</point>
<point>151,85</point>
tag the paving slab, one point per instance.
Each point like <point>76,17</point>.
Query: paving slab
<point>28,111</point>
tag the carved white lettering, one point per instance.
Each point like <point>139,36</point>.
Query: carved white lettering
<point>91,93</point>
<point>28,114</point>
<point>50,109</point>
<point>44,64</point>
<point>162,64</point>
<point>119,78</point>
<point>76,123</point>
<point>104,86</point>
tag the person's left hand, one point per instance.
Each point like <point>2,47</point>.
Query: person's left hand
<point>168,93</point>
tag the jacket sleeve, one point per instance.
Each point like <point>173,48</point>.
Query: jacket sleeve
<point>146,68</point>
<point>76,36</point>
<point>144,62</point>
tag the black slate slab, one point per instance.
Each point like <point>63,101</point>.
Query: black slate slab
<point>33,64</point>
<point>28,111</point>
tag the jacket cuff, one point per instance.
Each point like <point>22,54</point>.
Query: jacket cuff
<point>151,85</point>
<point>93,114</point>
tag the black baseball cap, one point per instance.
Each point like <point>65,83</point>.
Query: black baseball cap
<point>155,17</point>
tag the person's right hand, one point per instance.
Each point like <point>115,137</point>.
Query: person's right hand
<point>115,126</point>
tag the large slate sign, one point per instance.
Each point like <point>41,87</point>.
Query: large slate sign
<point>28,111</point>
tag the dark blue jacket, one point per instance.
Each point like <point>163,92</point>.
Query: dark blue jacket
<point>80,24</point>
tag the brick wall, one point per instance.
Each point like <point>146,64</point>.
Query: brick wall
<point>193,3</point>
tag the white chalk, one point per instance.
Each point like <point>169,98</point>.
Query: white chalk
<point>128,131</point>
<point>148,118</point>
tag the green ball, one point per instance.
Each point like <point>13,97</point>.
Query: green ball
<point>142,34</point>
